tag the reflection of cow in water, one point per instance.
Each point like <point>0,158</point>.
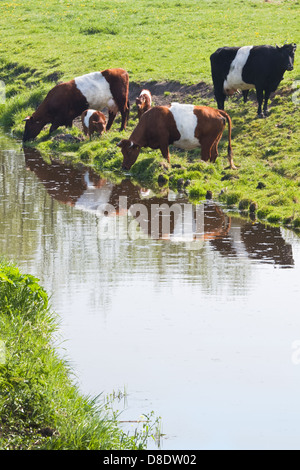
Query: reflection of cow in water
<point>65,183</point>
<point>85,190</point>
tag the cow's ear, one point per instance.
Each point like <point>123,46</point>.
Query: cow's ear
<point>135,146</point>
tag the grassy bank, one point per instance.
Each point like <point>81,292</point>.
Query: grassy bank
<point>167,42</point>
<point>40,406</point>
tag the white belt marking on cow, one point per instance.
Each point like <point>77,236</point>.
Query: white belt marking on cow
<point>87,117</point>
<point>234,79</point>
<point>96,90</point>
<point>186,122</point>
<point>146,92</point>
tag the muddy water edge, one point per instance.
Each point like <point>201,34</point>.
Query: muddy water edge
<point>198,322</point>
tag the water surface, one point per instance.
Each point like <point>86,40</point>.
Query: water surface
<point>200,327</point>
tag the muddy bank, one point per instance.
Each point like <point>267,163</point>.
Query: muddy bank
<point>163,93</point>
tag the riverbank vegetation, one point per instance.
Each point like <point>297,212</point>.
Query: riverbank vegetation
<point>169,43</point>
<point>41,408</point>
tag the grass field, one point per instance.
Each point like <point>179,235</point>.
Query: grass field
<point>162,41</point>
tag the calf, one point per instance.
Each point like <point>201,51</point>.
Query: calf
<point>243,68</point>
<point>68,100</point>
<point>93,121</point>
<point>183,125</point>
<point>143,102</point>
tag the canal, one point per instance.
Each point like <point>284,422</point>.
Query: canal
<point>188,311</point>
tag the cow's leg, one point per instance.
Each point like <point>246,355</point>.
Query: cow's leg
<point>206,147</point>
<point>164,148</point>
<point>68,121</point>
<point>127,109</point>
<point>214,149</point>
<point>54,126</point>
<point>125,116</point>
<point>111,118</point>
<point>245,95</point>
<point>267,96</point>
<point>259,96</point>
<point>220,98</point>
<point>219,91</point>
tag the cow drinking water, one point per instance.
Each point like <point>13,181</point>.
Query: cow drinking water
<point>183,125</point>
<point>243,68</point>
<point>68,100</point>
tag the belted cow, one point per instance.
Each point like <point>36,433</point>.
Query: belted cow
<point>93,121</point>
<point>66,101</point>
<point>243,68</point>
<point>183,125</point>
<point>143,102</point>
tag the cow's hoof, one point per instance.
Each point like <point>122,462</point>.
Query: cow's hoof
<point>266,113</point>
<point>261,116</point>
<point>231,167</point>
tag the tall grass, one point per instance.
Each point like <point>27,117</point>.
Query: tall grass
<point>41,408</point>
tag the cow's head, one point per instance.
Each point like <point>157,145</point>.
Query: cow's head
<point>287,53</point>
<point>98,122</point>
<point>32,128</point>
<point>100,126</point>
<point>130,152</point>
<point>140,101</point>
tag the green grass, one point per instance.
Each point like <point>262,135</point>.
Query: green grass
<point>40,406</point>
<point>162,41</point>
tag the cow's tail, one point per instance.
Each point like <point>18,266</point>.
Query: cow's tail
<point>229,148</point>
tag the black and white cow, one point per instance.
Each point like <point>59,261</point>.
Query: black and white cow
<point>243,68</point>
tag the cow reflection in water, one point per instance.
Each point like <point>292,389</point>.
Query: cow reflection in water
<point>85,190</point>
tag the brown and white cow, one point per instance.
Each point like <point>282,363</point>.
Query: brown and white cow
<point>183,125</point>
<point>97,90</point>
<point>93,121</point>
<point>143,102</point>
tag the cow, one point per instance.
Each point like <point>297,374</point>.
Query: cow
<point>243,68</point>
<point>143,102</point>
<point>68,100</point>
<point>184,125</point>
<point>93,121</point>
